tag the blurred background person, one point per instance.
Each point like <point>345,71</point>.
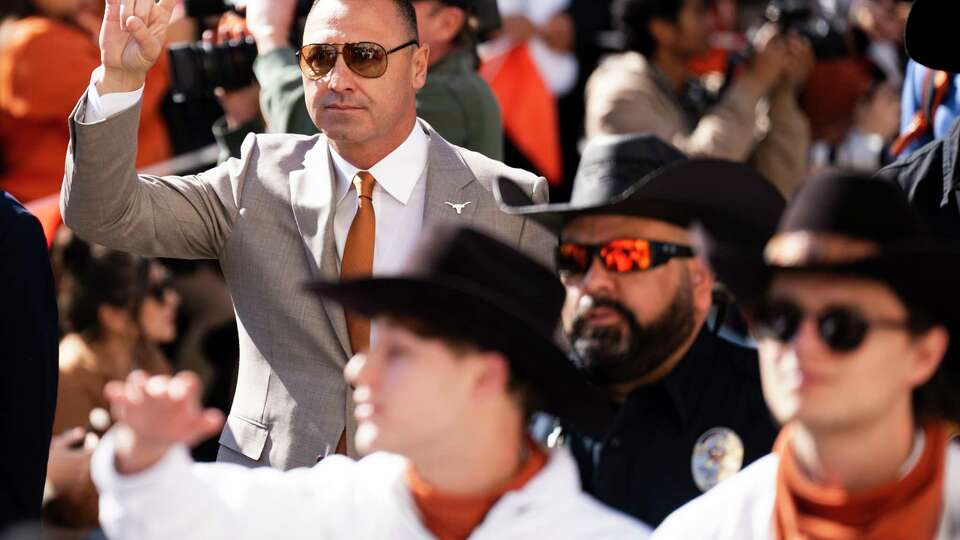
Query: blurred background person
<point>651,88</point>
<point>116,309</point>
<point>47,50</point>
<point>28,387</point>
<point>530,64</point>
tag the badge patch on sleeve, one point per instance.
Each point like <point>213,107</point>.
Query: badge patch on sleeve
<point>717,455</point>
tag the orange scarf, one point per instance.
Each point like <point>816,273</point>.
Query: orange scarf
<point>454,517</point>
<point>906,508</point>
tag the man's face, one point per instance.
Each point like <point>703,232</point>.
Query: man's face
<point>356,111</point>
<point>624,326</point>
<point>805,380</point>
<point>690,36</point>
<point>410,392</point>
<point>438,24</point>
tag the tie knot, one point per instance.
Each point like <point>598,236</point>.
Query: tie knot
<point>363,182</point>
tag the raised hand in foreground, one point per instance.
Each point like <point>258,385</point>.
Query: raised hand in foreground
<point>156,413</point>
<point>131,40</point>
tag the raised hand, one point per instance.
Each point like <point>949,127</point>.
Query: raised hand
<point>131,40</point>
<point>156,413</point>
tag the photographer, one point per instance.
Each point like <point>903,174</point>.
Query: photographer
<point>455,101</point>
<point>648,89</point>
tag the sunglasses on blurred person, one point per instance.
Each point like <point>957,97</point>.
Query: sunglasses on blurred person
<point>365,58</point>
<point>621,256</point>
<point>842,328</point>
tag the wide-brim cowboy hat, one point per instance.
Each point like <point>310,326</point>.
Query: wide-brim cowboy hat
<point>463,280</point>
<point>639,175</point>
<point>844,225</point>
<point>929,36</point>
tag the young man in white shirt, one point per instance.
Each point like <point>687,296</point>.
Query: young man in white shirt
<point>463,354</point>
<point>853,309</point>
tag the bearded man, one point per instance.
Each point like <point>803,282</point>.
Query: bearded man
<point>687,408</point>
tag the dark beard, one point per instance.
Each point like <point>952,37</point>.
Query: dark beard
<point>610,355</point>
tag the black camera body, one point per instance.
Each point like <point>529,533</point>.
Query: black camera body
<point>801,17</point>
<point>196,69</point>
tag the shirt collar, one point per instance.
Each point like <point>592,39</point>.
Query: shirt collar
<point>397,173</point>
<point>682,385</point>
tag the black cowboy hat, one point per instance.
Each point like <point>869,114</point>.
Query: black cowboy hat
<point>640,175</point>
<point>847,225</point>
<point>464,280</point>
<point>929,35</point>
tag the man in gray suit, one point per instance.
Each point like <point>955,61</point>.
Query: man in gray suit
<point>291,209</point>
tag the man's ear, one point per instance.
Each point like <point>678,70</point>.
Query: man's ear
<point>494,373</point>
<point>929,350</point>
<point>452,20</point>
<point>420,64</point>
<point>702,281</point>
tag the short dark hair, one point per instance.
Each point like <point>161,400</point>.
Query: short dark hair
<point>937,399</point>
<point>463,341</point>
<point>407,14</point>
<point>633,17</point>
<point>92,276</point>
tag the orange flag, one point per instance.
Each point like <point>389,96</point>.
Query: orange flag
<point>529,109</point>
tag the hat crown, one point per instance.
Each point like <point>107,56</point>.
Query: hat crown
<point>854,206</point>
<point>466,258</point>
<point>611,165</point>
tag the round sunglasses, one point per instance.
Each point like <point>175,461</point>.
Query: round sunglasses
<point>619,256</point>
<point>842,328</point>
<point>365,58</point>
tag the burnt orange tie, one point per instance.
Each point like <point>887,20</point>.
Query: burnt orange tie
<point>357,262</point>
<point>358,254</point>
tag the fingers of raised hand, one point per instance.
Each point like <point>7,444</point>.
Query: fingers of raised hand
<point>142,8</point>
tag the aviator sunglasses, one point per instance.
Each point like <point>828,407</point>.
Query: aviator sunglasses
<point>842,328</point>
<point>366,59</point>
<point>618,256</point>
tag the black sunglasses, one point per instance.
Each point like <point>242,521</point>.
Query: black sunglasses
<point>158,291</point>
<point>619,256</point>
<point>842,328</point>
<point>366,59</point>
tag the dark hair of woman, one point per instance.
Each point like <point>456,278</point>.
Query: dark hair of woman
<point>92,276</point>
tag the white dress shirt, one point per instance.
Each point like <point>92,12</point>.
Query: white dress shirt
<point>398,201</point>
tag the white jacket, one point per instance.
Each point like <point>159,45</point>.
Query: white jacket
<point>338,498</point>
<point>741,507</point>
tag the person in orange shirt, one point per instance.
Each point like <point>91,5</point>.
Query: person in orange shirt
<point>47,50</point>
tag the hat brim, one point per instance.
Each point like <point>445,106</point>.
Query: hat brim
<point>921,274</point>
<point>929,36</point>
<point>533,356</point>
<point>668,195</point>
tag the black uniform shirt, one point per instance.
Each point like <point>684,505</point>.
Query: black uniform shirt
<point>643,465</point>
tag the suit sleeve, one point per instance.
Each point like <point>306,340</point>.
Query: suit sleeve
<point>105,201</point>
<point>177,498</point>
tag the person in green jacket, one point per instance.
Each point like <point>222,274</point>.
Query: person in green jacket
<point>455,100</point>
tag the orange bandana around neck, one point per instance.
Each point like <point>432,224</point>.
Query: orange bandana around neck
<point>454,517</point>
<point>906,508</point>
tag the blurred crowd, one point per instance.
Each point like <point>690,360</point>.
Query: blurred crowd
<point>791,87</point>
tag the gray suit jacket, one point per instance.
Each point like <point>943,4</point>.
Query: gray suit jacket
<point>268,218</point>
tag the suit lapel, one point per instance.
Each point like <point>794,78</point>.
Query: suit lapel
<point>449,184</point>
<point>311,196</point>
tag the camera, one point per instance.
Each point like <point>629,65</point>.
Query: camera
<point>801,17</point>
<point>196,69</point>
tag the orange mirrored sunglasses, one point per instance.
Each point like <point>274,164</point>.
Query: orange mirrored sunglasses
<point>619,256</point>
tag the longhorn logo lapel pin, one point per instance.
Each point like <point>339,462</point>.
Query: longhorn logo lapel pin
<point>458,207</point>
